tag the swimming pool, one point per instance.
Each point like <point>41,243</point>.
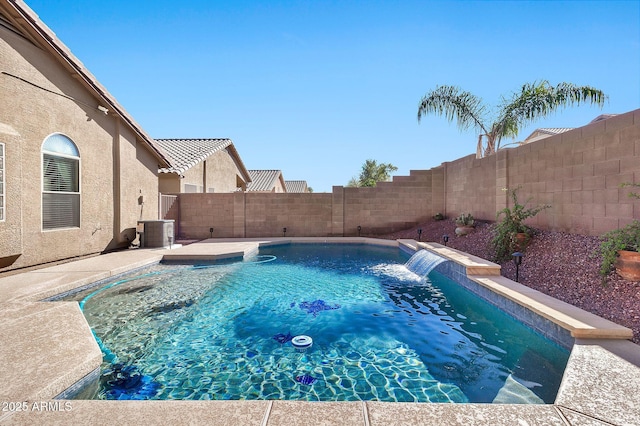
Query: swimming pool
<point>222,331</point>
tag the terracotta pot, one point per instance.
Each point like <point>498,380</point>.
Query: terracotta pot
<point>464,230</point>
<point>522,241</point>
<point>628,265</point>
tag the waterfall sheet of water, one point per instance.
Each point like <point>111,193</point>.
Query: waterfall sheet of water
<point>423,261</point>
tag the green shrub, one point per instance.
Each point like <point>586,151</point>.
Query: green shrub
<point>627,238</point>
<point>465,220</point>
<point>510,221</point>
<point>438,216</point>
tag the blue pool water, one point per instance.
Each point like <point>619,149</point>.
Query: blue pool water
<point>380,332</point>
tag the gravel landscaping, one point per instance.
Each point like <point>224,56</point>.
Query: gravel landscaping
<point>565,266</point>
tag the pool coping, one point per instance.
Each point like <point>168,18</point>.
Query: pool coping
<point>578,322</point>
<point>47,347</point>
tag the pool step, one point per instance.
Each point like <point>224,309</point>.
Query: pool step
<point>514,392</point>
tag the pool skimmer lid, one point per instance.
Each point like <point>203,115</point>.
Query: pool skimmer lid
<point>302,342</point>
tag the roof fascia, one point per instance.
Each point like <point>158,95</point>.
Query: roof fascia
<point>239,163</point>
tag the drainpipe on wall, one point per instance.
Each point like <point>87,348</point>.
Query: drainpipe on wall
<point>117,181</point>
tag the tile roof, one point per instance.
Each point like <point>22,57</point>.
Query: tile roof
<point>545,132</point>
<point>602,117</point>
<point>263,180</point>
<point>554,130</point>
<point>186,153</point>
<point>296,185</point>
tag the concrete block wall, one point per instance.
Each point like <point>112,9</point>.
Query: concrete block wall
<point>200,212</point>
<point>390,206</point>
<point>470,187</point>
<point>578,173</point>
<point>307,214</point>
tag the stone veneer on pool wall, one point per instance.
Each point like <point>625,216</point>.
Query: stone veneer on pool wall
<point>578,172</point>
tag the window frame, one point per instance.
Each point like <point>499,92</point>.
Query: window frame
<point>76,200</point>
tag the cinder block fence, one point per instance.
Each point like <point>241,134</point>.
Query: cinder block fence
<point>578,172</point>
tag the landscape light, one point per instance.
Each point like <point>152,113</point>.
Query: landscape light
<point>517,259</point>
<point>445,238</point>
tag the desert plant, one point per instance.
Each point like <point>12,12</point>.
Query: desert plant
<point>438,216</point>
<point>465,220</point>
<point>627,238</point>
<point>372,173</point>
<point>510,221</point>
<point>631,194</point>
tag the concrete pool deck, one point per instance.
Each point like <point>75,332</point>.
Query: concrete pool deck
<point>46,347</point>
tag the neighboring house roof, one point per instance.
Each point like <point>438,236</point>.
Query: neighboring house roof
<point>27,21</point>
<point>265,180</point>
<point>296,185</point>
<point>602,117</point>
<point>545,132</point>
<point>186,153</point>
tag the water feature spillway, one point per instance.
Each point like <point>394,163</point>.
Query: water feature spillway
<point>423,261</point>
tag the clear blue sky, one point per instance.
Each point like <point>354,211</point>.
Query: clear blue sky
<point>314,88</point>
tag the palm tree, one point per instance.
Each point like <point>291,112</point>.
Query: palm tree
<point>372,173</point>
<point>536,100</point>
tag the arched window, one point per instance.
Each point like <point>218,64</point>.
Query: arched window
<point>60,183</point>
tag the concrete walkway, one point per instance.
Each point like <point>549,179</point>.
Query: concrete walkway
<point>46,347</point>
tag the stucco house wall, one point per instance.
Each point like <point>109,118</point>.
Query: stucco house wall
<point>40,96</point>
<point>279,187</point>
<point>222,174</point>
<point>194,177</point>
<point>218,173</point>
<point>169,183</point>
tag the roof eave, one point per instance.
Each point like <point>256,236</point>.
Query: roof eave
<point>30,22</point>
<point>241,167</point>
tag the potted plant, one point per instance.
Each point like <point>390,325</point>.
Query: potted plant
<point>620,249</point>
<point>510,233</point>
<point>466,224</point>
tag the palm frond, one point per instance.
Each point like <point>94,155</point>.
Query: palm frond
<point>454,104</point>
<point>539,99</point>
